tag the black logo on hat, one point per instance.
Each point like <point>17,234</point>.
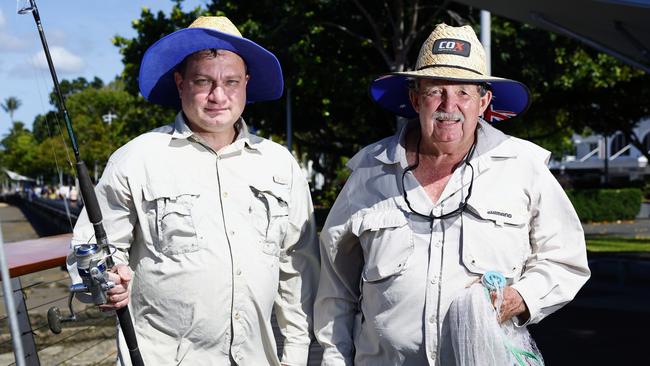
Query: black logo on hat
<point>451,46</point>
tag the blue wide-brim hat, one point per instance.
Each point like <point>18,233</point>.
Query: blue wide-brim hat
<point>452,54</point>
<point>156,77</point>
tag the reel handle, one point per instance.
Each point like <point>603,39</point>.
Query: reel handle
<point>55,319</point>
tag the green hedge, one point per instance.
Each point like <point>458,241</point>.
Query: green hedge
<point>606,204</point>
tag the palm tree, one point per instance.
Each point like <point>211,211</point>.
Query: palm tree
<point>10,105</point>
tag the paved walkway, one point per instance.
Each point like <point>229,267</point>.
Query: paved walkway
<point>639,228</point>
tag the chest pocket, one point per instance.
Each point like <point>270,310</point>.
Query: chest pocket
<point>269,208</point>
<point>170,218</point>
<point>387,244</point>
<point>494,240</point>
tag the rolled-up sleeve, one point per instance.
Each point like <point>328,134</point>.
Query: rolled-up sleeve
<point>299,269</point>
<point>557,267</point>
<point>338,292</point>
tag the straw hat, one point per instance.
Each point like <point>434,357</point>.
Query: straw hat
<point>160,60</point>
<point>455,54</point>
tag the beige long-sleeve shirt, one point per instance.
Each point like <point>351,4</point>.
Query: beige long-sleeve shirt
<point>388,276</point>
<point>215,239</point>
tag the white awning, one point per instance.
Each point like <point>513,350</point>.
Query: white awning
<point>620,28</point>
<point>17,177</point>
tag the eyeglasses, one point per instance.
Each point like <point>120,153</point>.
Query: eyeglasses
<point>431,217</point>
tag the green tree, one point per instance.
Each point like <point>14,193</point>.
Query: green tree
<point>88,105</point>
<point>46,125</point>
<point>10,105</point>
<point>69,87</point>
<point>19,150</point>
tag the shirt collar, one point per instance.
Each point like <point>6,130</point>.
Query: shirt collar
<point>489,147</point>
<point>181,129</point>
<point>394,151</point>
<point>243,138</point>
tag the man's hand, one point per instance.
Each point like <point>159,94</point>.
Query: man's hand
<point>513,305</point>
<point>118,296</point>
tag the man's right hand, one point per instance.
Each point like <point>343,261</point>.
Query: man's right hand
<point>118,296</point>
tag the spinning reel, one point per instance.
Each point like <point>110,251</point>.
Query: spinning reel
<point>92,267</point>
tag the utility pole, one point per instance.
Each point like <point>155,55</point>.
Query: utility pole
<point>486,29</point>
<point>289,121</point>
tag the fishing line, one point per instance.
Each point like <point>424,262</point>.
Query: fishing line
<point>38,77</point>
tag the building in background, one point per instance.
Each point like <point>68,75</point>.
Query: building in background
<point>605,160</point>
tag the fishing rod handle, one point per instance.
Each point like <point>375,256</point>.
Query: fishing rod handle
<point>124,316</point>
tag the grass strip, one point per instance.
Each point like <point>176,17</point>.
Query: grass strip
<point>615,244</point>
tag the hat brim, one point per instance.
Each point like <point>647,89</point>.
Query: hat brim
<point>510,98</point>
<point>156,77</point>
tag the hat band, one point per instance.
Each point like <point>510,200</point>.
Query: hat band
<point>452,66</point>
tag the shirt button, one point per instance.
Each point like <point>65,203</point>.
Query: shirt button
<point>225,194</point>
<point>237,315</point>
<point>434,281</point>
<point>239,272</point>
<point>432,319</point>
<point>232,232</point>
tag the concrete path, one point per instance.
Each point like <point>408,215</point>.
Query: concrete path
<point>639,228</point>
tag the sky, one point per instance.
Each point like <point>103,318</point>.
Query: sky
<point>78,34</point>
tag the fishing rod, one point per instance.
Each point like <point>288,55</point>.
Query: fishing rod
<point>93,260</point>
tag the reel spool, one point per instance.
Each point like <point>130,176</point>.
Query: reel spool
<point>91,266</point>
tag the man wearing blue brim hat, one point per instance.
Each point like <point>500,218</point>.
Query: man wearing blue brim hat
<point>212,226</point>
<point>425,213</point>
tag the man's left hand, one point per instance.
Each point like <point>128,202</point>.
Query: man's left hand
<point>513,305</point>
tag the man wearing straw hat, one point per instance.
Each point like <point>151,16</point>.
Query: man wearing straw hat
<point>427,212</point>
<point>212,226</point>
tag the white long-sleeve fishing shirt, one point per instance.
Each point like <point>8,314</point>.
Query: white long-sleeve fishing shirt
<point>215,239</point>
<point>389,276</point>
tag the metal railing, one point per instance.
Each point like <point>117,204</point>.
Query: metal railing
<point>90,340</point>
<point>37,283</point>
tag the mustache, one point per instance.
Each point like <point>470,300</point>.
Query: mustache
<point>444,116</point>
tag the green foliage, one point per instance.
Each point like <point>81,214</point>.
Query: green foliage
<point>19,150</point>
<point>47,150</point>
<point>69,87</point>
<point>326,196</point>
<point>606,204</point>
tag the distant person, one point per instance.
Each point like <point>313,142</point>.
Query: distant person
<point>213,225</point>
<point>426,212</point>
<point>74,194</point>
<point>64,191</point>
<point>52,193</point>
